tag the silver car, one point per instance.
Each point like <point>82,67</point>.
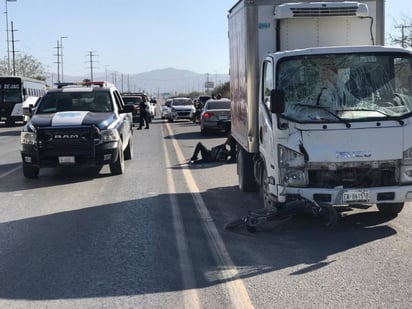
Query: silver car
<point>215,116</point>
<point>181,108</point>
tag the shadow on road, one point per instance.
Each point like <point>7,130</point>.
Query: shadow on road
<point>129,248</point>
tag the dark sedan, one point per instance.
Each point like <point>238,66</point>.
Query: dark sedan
<point>215,116</point>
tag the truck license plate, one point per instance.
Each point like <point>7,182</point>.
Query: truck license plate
<point>67,160</point>
<point>352,196</point>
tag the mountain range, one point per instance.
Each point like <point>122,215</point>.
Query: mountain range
<point>157,82</point>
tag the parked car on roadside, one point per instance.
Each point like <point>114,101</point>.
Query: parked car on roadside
<point>202,99</point>
<point>150,108</point>
<point>215,116</point>
<point>134,100</point>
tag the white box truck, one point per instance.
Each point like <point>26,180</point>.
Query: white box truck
<point>321,110</point>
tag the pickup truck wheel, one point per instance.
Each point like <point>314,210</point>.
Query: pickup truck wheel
<point>30,171</point>
<point>128,153</point>
<point>247,182</point>
<point>390,208</point>
<point>117,168</point>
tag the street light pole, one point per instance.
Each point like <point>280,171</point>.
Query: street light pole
<point>61,52</point>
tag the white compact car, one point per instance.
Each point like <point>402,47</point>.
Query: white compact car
<point>181,108</point>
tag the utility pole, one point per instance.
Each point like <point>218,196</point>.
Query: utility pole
<point>7,35</point>
<point>106,72</point>
<point>121,76</point>
<point>403,27</point>
<point>58,61</point>
<point>91,55</point>
<point>13,50</point>
<point>61,52</point>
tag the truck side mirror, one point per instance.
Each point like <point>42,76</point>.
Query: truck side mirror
<point>277,101</point>
<point>28,111</point>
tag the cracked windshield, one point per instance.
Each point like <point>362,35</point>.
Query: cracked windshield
<point>354,87</point>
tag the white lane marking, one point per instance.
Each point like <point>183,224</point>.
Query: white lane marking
<point>190,293</point>
<point>10,172</point>
<point>235,286</point>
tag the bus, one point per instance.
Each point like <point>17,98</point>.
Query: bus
<point>16,93</point>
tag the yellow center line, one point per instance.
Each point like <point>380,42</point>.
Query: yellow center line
<point>190,294</point>
<point>235,286</point>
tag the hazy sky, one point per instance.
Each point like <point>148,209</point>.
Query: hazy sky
<point>132,36</point>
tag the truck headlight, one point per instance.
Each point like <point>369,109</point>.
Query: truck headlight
<point>111,135</point>
<point>406,167</point>
<point>28,138</point>
<point>292,167</point>
<point>407,157</point>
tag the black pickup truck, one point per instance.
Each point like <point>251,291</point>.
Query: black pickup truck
<point>78,125</point>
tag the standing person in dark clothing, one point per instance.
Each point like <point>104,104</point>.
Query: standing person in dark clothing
<point>144,117</point>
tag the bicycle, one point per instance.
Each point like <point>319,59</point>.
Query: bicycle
<point>283,212</point>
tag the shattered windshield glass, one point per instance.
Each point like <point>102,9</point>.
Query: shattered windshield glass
<point>346,87</point>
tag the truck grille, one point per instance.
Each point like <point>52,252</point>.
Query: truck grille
<point>68,139</point>
<point>354,177</point>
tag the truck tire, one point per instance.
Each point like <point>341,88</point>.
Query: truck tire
<point>264,190</point>
<point>128,153</point>
<point>30,171</point>
<point>245,174</point>
<point>390,208</point>
<point>117,168</point>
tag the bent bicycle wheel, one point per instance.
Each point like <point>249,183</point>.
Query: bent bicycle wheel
<point>328,215</point>
<point>234,224</point>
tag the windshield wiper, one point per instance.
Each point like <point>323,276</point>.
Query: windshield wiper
<point>397,118</point>
<point>346,122</point>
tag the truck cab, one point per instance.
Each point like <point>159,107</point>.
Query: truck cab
<point>321,111</point>
<point>334,125</point>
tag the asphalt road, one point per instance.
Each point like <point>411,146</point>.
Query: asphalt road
<point>154,238</point>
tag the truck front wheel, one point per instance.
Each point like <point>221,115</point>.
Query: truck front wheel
<point>246,178</point>
<point>30,171</point>
<point>390,208</point>
<point>117,168</point>
<point>128,155</point>
<point>264,190</point>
